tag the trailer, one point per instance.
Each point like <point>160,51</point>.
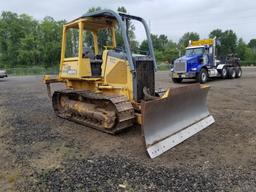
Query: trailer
<point>200,63</point>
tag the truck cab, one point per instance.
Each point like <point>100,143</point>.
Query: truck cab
<point>199,62</point>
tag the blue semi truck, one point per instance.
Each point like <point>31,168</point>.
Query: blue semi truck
<point>200,62</point>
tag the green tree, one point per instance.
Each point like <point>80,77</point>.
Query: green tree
<point>228,40</point>
<point>10,33</point>
<point>165,50</point>
<point>50,40</point>
<point>216,33</point>
<point>25,41</point>
<point>93,9</point>
<point>88,39</point>
<point>252,45</point>
<point>241,49</point>
<point>131,33</point>
<point>28,52</point>
<point>105,34</point>
<point>163,40</point>
<point>159,42</point>
<point>184,41</point>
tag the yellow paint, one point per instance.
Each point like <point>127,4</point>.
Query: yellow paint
<point>63,46</point>
<point>70,69</point>
<point>166,94</point>
<point>71,59</point>
<point>105,87</point>
<point>46,77</point>
<point>118,74</point>
<point>138,118</point>
<point>95,42</point>
<point>104,62</point>
<point>85,68</point>
<point>113,37</point>
<point>116,71</point>
<point>116,77</point>
<point>204,86</point>
<point>80,50</point>
<point>202,42</point>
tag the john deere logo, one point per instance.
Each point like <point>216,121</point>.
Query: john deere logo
<point>68,70</point>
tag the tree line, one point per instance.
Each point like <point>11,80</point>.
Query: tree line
<point>25,42</point>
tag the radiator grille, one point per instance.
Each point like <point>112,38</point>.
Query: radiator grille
<point>180,67</point>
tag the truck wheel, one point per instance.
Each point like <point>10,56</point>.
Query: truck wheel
<point>177,80</point>
<point>238,72</point>
<point>202,76</point>
<point>224,73</point>
<point>231,73</point>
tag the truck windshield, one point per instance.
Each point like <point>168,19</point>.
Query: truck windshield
<point>195,51</point>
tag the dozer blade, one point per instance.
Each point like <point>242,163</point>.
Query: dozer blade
<point>168,121</point>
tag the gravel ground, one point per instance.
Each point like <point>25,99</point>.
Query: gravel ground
<point>40,152</point>
<point>115,174</point>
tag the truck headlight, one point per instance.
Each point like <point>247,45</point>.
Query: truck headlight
<point>193,69</point>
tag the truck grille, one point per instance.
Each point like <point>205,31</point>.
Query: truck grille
<point>180,67</point>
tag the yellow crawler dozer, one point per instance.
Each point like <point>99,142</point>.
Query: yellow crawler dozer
<point>111,89</point>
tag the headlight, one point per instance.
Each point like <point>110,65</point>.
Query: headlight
<point>193,69</point>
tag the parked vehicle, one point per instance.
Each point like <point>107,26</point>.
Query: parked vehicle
<point>200,62</point>
<point>3,74</point>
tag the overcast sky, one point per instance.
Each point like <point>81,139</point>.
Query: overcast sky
<point>170,17</point>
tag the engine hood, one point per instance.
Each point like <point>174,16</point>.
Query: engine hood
<point>190,59</point>
<point>192,62</point>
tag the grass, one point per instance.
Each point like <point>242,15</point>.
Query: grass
<point>38,70</point>
<point>248,63</point>
<point>163,67</point>
<point>33,70</point>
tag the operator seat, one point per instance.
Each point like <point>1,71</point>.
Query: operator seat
<point>95,61</point>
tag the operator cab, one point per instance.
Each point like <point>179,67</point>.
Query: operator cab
<point>90,52</point>
<point>97,38</point>
<point>85,41</point>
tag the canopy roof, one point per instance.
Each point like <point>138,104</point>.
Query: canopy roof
<point>109,18</point>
